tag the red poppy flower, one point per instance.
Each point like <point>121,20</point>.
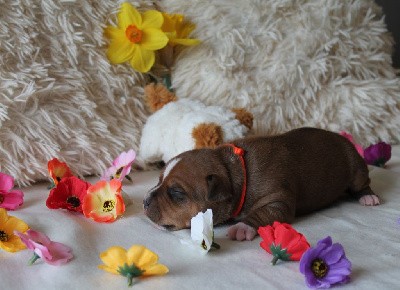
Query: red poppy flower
<point>68,194</point>
<point>283,242</point>
<point>58,170</point>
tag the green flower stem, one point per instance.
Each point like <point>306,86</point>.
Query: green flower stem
<point>167,82</point>
<point>130,279</point>
<point>274,260</point>
<point>215,246</point>
<point>33,259</point>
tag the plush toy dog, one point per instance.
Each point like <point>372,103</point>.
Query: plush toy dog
<point>180,125</point>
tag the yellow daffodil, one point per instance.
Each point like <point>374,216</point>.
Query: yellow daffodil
<point>136,37</point>
<point>138,261</point>
<point>178,30</point>
<point>9,241</point>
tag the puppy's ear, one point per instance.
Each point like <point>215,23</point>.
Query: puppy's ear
<point>216,190</point>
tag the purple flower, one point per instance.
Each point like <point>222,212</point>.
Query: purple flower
<point>325,265</point>
<point>378,154</point>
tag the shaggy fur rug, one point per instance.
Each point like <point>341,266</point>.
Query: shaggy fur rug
<point>292,63</point>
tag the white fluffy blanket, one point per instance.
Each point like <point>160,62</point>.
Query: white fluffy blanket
<point>292,63</point>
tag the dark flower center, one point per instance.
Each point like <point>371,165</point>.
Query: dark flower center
<point>108,205</point>
<point>1,199</point>
<point>319,268</point>
<point>74,201</point>
<point>3,236</point>
<point>118,173</point>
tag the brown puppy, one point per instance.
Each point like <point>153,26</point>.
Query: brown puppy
<point>276,178</point>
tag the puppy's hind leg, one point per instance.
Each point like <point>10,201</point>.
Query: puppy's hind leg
<point>362,191</point>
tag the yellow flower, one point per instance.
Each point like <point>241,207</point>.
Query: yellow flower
<point>178,30</point>
<point>8,224</point>
<point>138,261</point>
<point>136,37</point>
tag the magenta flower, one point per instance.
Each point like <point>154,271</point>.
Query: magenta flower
<point>121,166</point>
<point>325,265</point>
<point>9,199</point>
<point>52,253</point>
<point>378,154</point>
<point>349,137</point>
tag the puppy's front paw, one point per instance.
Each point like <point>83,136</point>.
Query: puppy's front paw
<point>369,200</point>
<point>241,232</point>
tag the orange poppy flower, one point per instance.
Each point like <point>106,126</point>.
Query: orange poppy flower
<point>58,170</point>
<point>103,201</point>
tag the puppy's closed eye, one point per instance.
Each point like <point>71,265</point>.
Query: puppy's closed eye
<point>177,194</point>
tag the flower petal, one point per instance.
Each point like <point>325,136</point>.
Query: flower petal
<point>141,256</point>
<point>120,49</point>
<point>142,59</point>
<point>128,15</point>
<point>14,224</point>
<point>114,257</point>
<point>153,39</point>
<point>152,19</point>
<point>158,269</point>
<point>108,269</point>
<point>6,182</point>
<point>14,244</point>
<point>185,41</point>
<point>13,200</point>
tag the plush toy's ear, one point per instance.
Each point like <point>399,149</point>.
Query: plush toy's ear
<point>207,135</point>
<point>244,117</point>
<point>157,95</point>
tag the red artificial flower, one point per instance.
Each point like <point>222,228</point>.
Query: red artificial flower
<point>68,194</point>
<point>283,242</point>
<point>58,170</point>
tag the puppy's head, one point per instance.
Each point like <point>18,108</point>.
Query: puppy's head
<point>193,181</point>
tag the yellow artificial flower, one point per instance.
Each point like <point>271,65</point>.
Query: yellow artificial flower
<point>8,224</point>
<point>136,37</point>
<point>178,30</point>
<point>138,261</point>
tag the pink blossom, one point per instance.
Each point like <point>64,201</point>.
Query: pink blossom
<point>349,137</point>
<point>52,253</point>
<point>121,166</point>
<point>9,199</point>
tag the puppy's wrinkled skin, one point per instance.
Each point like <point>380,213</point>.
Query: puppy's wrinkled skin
<point>287,175</point>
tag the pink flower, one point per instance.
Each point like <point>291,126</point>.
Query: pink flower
<point>349,137</point>
<point>121,166</point>
<point>9,199</point>
<point>52,253</point>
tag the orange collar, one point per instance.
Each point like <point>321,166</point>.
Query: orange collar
<point>240,152</point>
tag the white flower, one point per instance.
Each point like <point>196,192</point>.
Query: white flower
<point>202,229</point>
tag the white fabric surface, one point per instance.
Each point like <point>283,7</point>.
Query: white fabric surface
<point>370,236</point>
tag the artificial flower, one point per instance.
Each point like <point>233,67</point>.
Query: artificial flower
<point>136,37</point>
<point>53,253</point>
<point>9,199</point>
<point>138,261</point>
<point>58,170</point>
<point>104,202</point>
<point>68,194</point>
<point>8,224</point>
<point>202,232</point>
<point>378,154</point>
<point>325,265</point>
<point>283,242</point>
<point>178,30</point>
<point>120,167</point>
<point>349,137</point>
